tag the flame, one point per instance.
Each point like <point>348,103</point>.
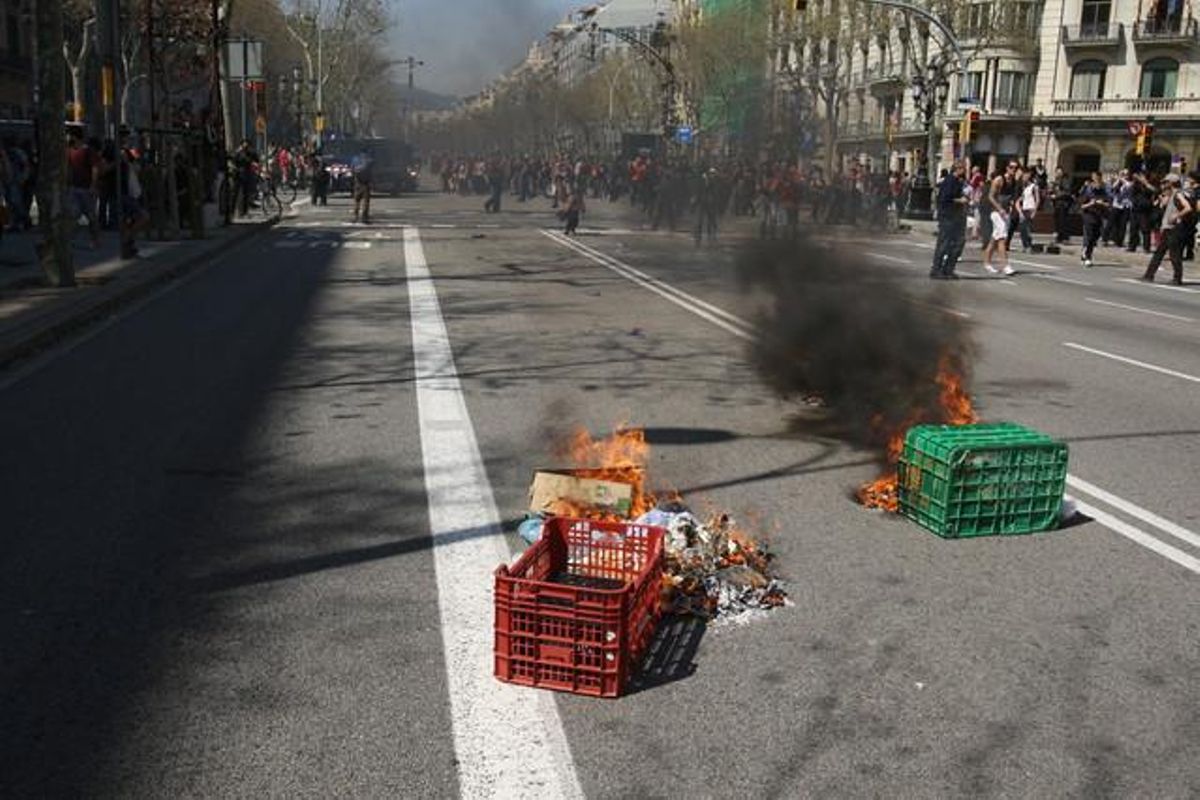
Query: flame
<point>954,408</point>
<point>620,457</point>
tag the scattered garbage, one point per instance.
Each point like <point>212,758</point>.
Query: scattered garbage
<point>530,529</point>
<point>712,567</point>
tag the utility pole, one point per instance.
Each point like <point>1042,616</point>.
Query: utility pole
<point>50,97</point>
<point>108,39</point>
<point>319,120</point>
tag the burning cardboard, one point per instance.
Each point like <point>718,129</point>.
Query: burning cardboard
<point>579,493</point>
<point>713,569</point>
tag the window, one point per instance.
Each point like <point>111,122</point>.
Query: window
<point>979,17</point>
<point>1087,80</point>
<point>1012,91</point>
<point>1159,78</point>
<point>974,88</point>
<point>1096,14</point>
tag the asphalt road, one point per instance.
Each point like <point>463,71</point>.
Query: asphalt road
<point>226,571</point>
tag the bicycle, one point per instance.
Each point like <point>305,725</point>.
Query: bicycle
<point>264,198</point>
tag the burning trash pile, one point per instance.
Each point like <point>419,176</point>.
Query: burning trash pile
<point>713,567</point>
<point>954,407</point>
<point>852,333</point>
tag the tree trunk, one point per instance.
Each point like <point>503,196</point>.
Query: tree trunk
<point>232,125</point>
<point>54,251</point>
<point>78,68</point>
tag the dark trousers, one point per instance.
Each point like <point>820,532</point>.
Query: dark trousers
<point>1025,225</point>
<point>1139,229</point>
<point>706,221</point>
<point>1171,245</point>
<point>493,202</point>
<point>1092,224</point>
<point>1061,210</point>
<point>951,238</point>
<point>362,201</point>
<point>1118,220</point>
<point>572,218</point>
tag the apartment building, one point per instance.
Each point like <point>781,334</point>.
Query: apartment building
<point>1065,81</point>
<point>1107,66</point>
<point>16,62</point>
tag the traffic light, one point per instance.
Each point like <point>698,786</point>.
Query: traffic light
<point>966,128</point>
<point>1145,139</point>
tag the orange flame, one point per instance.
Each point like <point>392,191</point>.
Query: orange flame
<point>954,408</point>
<point>620,458</point>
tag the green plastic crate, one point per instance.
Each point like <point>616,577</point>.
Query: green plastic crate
<point>981,480</point>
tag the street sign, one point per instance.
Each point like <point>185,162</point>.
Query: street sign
<point>684,134</point>
<point>319,123</point>
<point>1134,127</point>
<point>260,124</point>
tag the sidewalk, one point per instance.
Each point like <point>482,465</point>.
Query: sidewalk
<point>34,316</point>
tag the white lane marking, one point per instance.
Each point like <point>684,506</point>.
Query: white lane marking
<point>1149,517</point>
<point>1103,518</point>
<point>719,317</point>
<point>1160,286</point>
<point>509,741</point>
<point>1137,535</point>
<point>1037,264</point>
<point>357,245</point>
<point>1056,279</point>
<point>1133,362</point>
<point>1138,309</point>
<point>891,258</point>
<point>442,225</point>
<point>303,201</point>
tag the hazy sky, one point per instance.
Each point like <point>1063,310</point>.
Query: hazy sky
<point>466,43</point>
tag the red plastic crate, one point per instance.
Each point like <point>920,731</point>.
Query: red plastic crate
<point>576,612</point>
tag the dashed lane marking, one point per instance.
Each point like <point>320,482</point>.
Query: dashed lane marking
<point>1138,309</point>
<point>1160,286</point>
<point>1133,362</point>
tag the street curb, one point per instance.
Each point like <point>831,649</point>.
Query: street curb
<point>72,317</point>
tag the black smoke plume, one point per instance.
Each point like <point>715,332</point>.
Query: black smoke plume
<point>852,333</point>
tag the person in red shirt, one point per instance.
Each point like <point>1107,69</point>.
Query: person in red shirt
<point>83,177</point>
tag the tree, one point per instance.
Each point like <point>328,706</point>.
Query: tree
<point>54,251</point>
<point>79,32</point>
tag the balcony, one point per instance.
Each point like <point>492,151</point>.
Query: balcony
<point>883,77</point>
<point>1169,31</point>
<point>1093,35</point>
<point>1118,107</point>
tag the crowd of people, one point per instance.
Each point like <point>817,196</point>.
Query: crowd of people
<point>673,193</point>
<point>1132,208</point>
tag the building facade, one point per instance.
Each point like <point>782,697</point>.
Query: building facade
<point>1108,66</point>
<point>16,62</point>
<point>1064,81</point>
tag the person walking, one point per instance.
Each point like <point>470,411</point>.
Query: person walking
<point>1030,202</point>
<point>495,179</point>
<point>1142,196</point>
<point>1000,196</point>
<point>1094,203</point>
<point>83,172</point>
<point>574,207</point>
<point>953,199</point>
<point>1122,208</point>
<point>1176,209</point>
<point>707,199</point>
<point>361,168</point>
<point>1061,197</point>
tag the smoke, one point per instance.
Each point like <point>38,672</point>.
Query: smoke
<point>852,333</point>
<point>467,43</point>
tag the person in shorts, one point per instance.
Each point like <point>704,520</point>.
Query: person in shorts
<point>1001,193</point>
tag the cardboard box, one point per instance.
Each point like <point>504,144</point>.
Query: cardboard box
<point>578,488</point>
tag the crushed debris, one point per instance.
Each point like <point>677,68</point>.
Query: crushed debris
<point>713,568</point>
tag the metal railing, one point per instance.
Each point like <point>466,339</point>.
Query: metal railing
<point>1093,34</point>
<point>1169,29</point>
<point>1135,105</point>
